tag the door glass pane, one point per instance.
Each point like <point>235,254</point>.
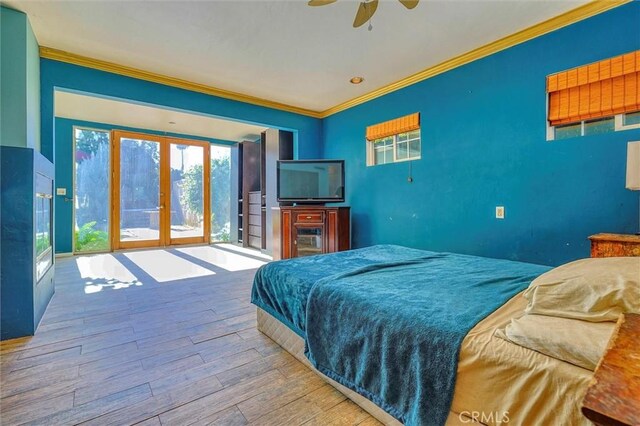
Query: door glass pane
<point>308,241</point>
<point>91,201</point>
<point>187,191</point>
<point>139,190</point>
<point>220,193</point>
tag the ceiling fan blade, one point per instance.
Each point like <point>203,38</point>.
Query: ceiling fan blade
<point>320,2</point>
<point>409,4</point>
<point>365,12</point>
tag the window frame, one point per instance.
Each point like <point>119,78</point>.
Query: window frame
<point>619,122</point>
<point>618,126</point>
<point>371,148</point>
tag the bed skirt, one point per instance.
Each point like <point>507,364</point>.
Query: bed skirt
<point>294,344</point>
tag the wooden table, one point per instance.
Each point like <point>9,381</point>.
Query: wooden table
<point>610,245</point>
<point>613,397</point>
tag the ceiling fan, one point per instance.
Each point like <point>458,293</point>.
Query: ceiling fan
<point>366,9</point>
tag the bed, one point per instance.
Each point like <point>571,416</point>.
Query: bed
<point>332,312</point>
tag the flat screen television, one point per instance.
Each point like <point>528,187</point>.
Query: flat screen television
<point>311,181</point>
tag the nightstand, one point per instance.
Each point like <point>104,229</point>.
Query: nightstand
<point>615,245</point>
<point>613,397</point>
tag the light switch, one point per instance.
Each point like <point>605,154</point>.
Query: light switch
<point>61,191</point>
<point>499,212</point>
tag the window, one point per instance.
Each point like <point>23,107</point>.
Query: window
<point>628,121</point>
<point>392,149</point>
<point>91,197</point>
<point>394,141</point>
<point>220,188</point>
<point>383,150</point>
<point>594,127</point>
<point>566,131</point>
<point>596,98</point>
<point>408,146</point>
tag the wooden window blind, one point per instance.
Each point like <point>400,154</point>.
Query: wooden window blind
<point>598,90</point>
<point>394,127</point>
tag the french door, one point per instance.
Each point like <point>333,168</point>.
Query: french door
<point>160,191</point>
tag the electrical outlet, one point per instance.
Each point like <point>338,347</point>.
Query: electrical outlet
<point>61,191</point>
<point>499,212</point>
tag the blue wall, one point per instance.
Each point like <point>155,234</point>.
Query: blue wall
<point>23,300</point>
<point>19,81</point>
<point>65,168</point>
<point>483,132</point>
<point>61,75</point>
<point>483,145</point>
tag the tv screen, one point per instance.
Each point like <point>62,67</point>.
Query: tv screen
<point>309,181</point>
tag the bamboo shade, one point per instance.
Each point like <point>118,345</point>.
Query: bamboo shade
<point>394,127</point>
<point>597,90</point>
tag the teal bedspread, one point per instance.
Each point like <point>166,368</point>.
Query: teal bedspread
<point>388,322</point>
<point>282,288</point>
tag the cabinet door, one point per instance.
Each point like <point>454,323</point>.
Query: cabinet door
<point>332,232</point>
<point>308,240</point>
<point>284,232</point>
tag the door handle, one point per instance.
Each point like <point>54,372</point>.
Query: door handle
<point>161,207</point>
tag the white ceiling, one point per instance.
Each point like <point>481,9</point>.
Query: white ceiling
<point>279,50</point>
<point>90,108</point>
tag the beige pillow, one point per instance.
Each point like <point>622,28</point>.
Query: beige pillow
<point>578,342</point>
<point>597,289</point>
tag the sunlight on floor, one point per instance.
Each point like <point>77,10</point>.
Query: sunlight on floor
<point>104,270</point>
<point>243,251</point>
<point>135,268</point>
<point>230,261</point>
<point>163,266</point>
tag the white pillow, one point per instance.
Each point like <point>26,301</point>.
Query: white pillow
<point>578,342</point>
<point>597,289</point>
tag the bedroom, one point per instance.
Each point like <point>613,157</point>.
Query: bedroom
<point>491,177</point>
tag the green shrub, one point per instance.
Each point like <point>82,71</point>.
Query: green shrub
<point>90,239</point>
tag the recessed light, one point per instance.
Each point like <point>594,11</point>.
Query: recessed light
<point>356,80</point>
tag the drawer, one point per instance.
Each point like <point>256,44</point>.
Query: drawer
<point>614,249</point>
<point>255,219</point>
<point>309,217</point>
<point>255,242</point>
<point>254,209</point>
<point>255,230</point>
<point>255,197</point>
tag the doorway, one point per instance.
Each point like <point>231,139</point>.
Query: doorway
<point>160,191</point>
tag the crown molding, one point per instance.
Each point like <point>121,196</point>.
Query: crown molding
<point>72,58</point>
<point>578,14</point>
<point>575,15</point>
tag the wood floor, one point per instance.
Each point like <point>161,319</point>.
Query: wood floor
<point>145,338</point>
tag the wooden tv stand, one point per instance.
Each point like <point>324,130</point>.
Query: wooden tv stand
<point>307,230</point>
